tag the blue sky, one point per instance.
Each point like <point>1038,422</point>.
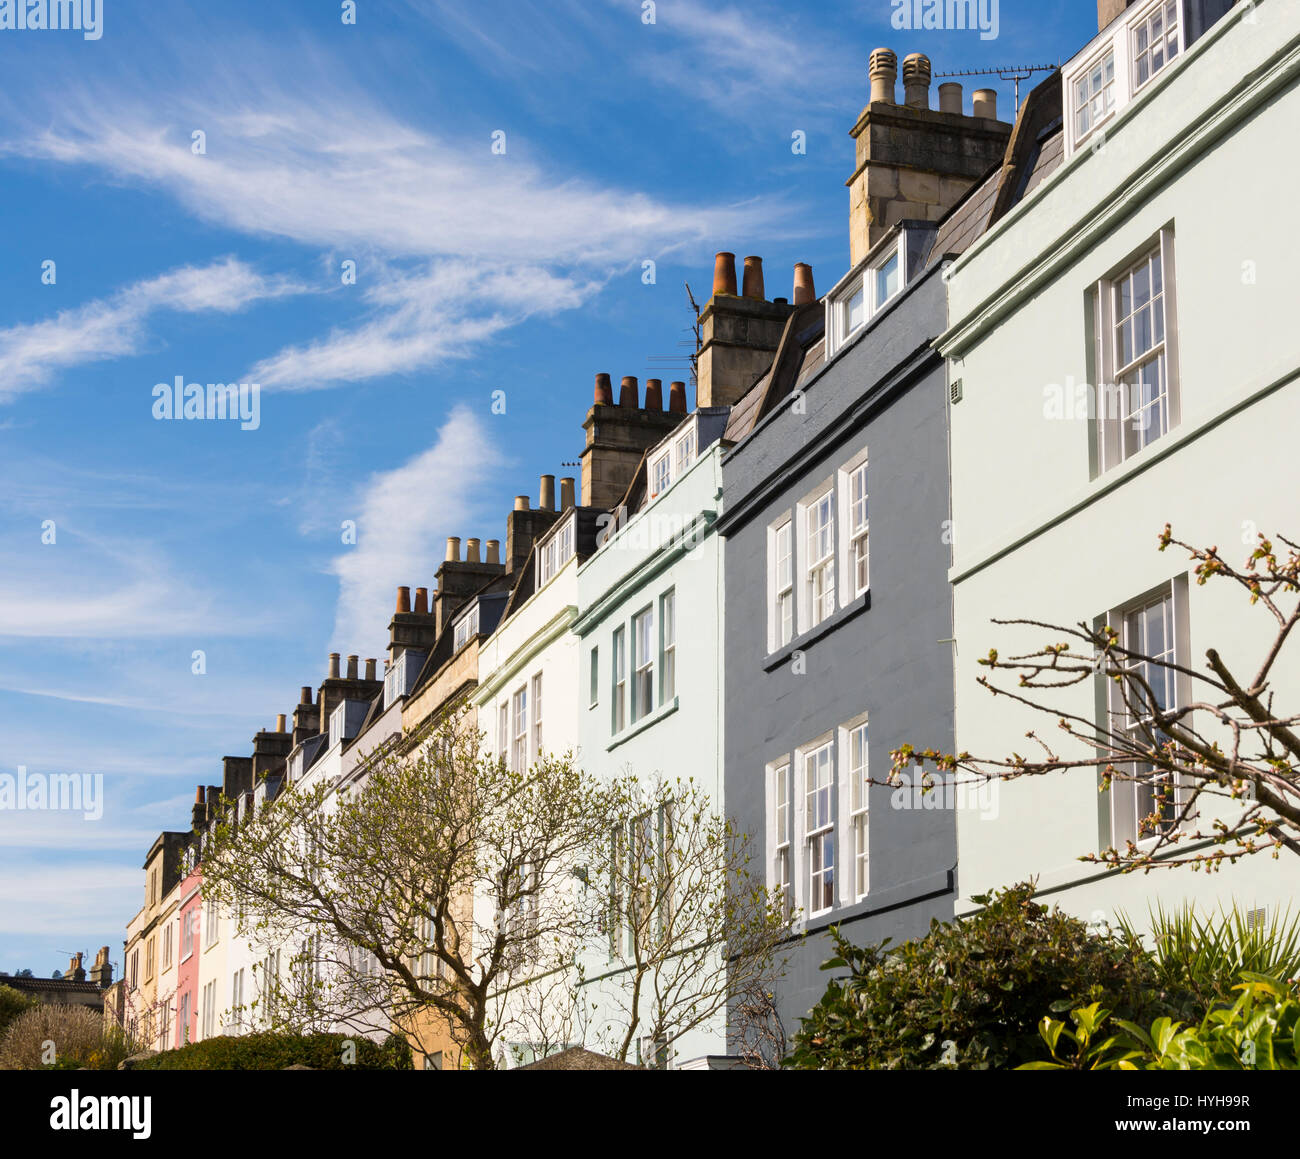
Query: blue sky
<point>476,272</point>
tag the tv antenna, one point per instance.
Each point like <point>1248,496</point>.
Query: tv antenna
<point>675,362</point>
<point>1016,73</point>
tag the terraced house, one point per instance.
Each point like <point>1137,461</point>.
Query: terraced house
<point>773,591</point>
<point>1123,339</point>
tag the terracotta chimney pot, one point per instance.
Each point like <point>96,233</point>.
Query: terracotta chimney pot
<point>804,290</point>
<point>628,392</point>
<point>604,390</point>
<point>754,279</point>
<point>403,601</point>
<point>654,394</point>
<point>724,274</point>
<point>677,398</point>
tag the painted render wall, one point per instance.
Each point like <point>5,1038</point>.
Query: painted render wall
<point>884,657</point>
<point>1036,536</point>
<point>669,545</point>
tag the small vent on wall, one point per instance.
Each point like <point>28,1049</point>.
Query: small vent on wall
<point>1256,918</point>
<point>954,392</point>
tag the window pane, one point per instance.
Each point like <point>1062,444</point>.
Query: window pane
<point>887,280</point>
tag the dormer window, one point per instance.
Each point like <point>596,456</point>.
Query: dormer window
<point>865,292</point>
<point>673,458</point>
<point>466,629</point>
<point>555,553</point>
<point>1112,70</point>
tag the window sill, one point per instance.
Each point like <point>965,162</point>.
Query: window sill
<point>644,723</point>
<point>812,635</point>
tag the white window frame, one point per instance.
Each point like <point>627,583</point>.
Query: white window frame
<point>210,1009</point>
<point>781,830</point>
<point>1141,22</point>
<point>1112,90</point>
<point>237,999</point>
<point>817,832</point>
<point>466,629</point>
<point>816,574</point>
<point>684,451</point>
<point>1129,797</point>
<point>661,473</point>
<point>594,676</point>
<point>184,1014</point>
<point>535,711</point>
<point>555,553</point>
<point>187,933</point>
<point>780,583</point>
<point>668,646</point>
<point>519,729</point>
<point>643,663</point>
<point>855,805</point>
<point>618,681</point>
<point>672,458</point>
<point>1116,415</point>
<point>855,581</point>
<point>1120,43</point>
<point>503,731</point>
<point>864,284</point>
<point>211,924</point>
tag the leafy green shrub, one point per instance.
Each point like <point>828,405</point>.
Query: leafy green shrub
<point>970,994</point>
<point>63,1038</point>
<point>1260,1030</point>
<point>277,1051</point>
<point>1208,955</point>
<point>13,1003</point>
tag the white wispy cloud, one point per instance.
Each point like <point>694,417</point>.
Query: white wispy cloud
<point>117,326</point>
<point>404,514</point>
<point>455,243</point>
<point>416,319</point>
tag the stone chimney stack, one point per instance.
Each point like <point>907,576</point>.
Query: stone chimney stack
<point>306,717</point>
<point>738,335</point>
<point>75,971</point>
<point>101,973</point>
<point>237,776</point>
<point>617,436</point>
<point>333,691</point>
<point>1108,10</point>
<point>915,162</point>
<point>198,810</point>
<point>270,750</point>
<point>458,579</point>
<point>411,627</point>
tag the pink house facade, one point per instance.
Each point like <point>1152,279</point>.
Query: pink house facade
<point>187,969</point>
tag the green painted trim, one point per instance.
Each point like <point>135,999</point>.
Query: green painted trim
<point>1083,235</point>
<point>1157,453</point>
<point>557,626</point>
<point>660,713</point>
